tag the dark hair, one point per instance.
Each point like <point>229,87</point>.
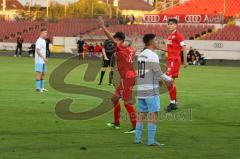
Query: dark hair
<point>43,29</point>
<point>173,20</point>
<point>120,36</point>
<point>148,37</point>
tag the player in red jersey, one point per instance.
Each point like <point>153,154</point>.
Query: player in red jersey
<point>175,44</point>
<point>125,59</point>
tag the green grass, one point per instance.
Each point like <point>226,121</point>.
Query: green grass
<point>29,128</point>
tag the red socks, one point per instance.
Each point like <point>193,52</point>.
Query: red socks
<point>117,110</point>
<point>173,92</point>
<point>132,114</point>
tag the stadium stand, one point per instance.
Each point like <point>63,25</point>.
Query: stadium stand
<point>161,30</point>
<point>208,7</point>
<point>69,28</point>
<point>10,29</point>
<point>227,33</point>
<point>29,30</point>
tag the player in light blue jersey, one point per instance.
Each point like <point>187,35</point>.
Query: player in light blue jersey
<point>41,60</point>
<point>149,75</point>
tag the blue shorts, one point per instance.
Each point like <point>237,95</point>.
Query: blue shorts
<point>151,104</point>
<point>40,67</point>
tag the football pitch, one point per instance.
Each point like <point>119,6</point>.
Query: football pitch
<point>209,98</point>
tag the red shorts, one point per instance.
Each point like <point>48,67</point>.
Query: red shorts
<point>124,89</point>
<point>173,67</point>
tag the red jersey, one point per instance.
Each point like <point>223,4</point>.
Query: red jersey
<point>125,60</point>
<point>174,45</point>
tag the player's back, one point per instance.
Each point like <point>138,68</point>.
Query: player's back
<point>148,80</point>
<point>125,59</point>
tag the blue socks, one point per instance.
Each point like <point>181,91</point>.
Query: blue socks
<point>151,133</point>
<point>38,84</point>
<point>138,135</point>
<point>42,84</point>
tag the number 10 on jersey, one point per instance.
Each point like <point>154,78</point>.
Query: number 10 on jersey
<point>141,69</point>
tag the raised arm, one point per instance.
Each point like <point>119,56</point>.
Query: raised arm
<point>106,31</point>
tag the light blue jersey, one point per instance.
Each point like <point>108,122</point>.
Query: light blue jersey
<point>40,65</point>
<point>149,74</point>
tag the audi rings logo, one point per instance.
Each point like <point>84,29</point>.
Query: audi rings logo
<point>218,45</point>
<point>193,18</point>
<point>151,18</point>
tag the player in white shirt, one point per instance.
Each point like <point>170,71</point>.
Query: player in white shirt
<point>149,75</point>
<point>41,60</point>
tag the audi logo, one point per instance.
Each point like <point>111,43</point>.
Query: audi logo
<point>193,18</point>
<point>151,18</point>
<point>218,45</point>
